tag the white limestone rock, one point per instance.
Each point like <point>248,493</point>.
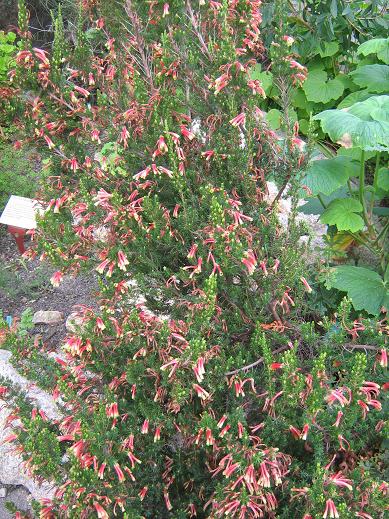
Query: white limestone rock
<point>12,470</point>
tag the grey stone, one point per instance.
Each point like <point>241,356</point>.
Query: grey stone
<point>20,496</point>
<point>3,492</point>
<point>47,317</point>
<point>4,514</point>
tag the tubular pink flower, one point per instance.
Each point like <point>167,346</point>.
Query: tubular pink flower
<point>133,459</point>
<point>262,266</point>
<point>161,145</point>
<point>173,365</point>
<point>199,370</point>
<point>338,418</point>
<point>289,40</point>
<point>225,430</point>
<point>119,472</point>
<point>96,136</point>
<point>187,133</point>
<point>74,164</point>
<point>256,88</point>
<point>304,432</point>
<point>78,448</point>
<point>221,82</point>
<point>221,422</point>
<point>122,261</point>
<point>165,9</point>
<point>209,439</point>
<point>192,251</point>
<point>337,395</point>
<point>124,136</point>
<point>157,434</point>
<point>238,388</point>
<point>112,410</point>
<point>306,285</point>
<point>142,493</point>
<point>230,469</point>
<point>56,279</point>
<point>330,510</point>
<point>208,155</point>
<point>296,433</point>
<point>166,171</point>
<point>382,358</point>
<point>264,478</point>
<point>101,513</point>
<point>49,142</point>
<point>297,65</point>
<point>81,91</point>
<point>167,500</point>
<point>100,324</point>
<point>339,480</point>
<point>145,427</point>
<point>100,473</point>
<point>250,261</point>
<point>142,174</point>
<point>239,120</point>
<point>201,393</point>
<point>364,407</point>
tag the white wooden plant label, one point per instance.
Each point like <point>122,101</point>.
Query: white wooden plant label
<point>21,212</point>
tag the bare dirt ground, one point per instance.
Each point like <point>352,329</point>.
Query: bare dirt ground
<point>26,284</point>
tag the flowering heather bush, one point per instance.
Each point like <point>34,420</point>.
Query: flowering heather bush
<point>210,398</point>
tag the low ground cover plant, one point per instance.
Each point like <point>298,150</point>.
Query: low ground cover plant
<point>200,388</point>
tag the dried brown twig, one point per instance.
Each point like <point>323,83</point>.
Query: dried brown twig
<point>257,362</point>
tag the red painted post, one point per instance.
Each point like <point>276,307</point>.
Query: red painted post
<point>18,233</point>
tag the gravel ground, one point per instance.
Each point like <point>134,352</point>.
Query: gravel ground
<point>26,284</point>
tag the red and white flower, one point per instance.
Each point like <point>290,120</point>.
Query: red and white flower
<point>330,510</point>
<point>122,261</point>
<point>239,120</point>
<point>56,279</point>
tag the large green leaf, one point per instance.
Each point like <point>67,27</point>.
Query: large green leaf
<point>326,176</point>
<point>366,289</point>
<point>351,131</point>
<point>314,205</point>
<point>304,126</point>
<point>375,108</point>
<point>373,77</point>
<point>354,97</point>
<point>319,89</point>
<point>378,46</point>
<point>355,153</point>
<point>265,78</point>
<point>328,48</point>
<point>274,118</point>
<point>299,100</point>
<point>344,214</point>
<point>348,83</point>
<point>383,179</point>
